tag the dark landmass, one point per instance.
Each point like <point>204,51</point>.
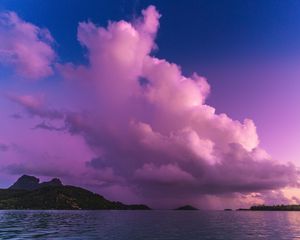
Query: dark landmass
<point>275,208</point>
<point>28,193</point>
<point>282,207</point>
<point>31,183</point>
<point>227,209</point>
<point>186,207</point>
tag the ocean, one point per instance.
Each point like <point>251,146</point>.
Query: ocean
<point>144,225</point>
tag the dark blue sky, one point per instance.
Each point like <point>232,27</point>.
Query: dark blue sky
<point>201,32</point>
<point>248,50</point>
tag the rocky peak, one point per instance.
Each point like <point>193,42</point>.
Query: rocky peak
<point>55,182</point>
<point>26,182</point>
<point>31,183</point>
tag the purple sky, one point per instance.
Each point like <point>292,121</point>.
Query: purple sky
<point>136,127</point>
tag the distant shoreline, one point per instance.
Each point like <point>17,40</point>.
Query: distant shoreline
<point>282,207</point>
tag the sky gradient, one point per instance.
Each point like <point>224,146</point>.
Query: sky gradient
<point>160,103</point>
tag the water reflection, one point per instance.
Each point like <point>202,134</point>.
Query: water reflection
<point>149,225</point>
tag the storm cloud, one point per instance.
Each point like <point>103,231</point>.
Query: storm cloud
<point>148,125</point>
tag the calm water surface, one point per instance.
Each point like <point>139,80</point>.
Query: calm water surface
<point>132,225</point>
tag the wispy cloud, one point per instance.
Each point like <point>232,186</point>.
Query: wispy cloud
<point>25,46</point>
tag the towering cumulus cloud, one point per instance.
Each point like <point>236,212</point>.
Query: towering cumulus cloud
<point>25,46</point>
<point>149,127</point>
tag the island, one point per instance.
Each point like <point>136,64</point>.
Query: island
<point>282,207</point>
<point>227,209</point>
<point>186,207</point>
<point>28,193</point>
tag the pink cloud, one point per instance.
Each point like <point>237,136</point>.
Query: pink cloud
<point>162,130</point>
<point>25,46</point>
<point>36,106</point>
<point>164,174</point>
<point>149,126</point>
